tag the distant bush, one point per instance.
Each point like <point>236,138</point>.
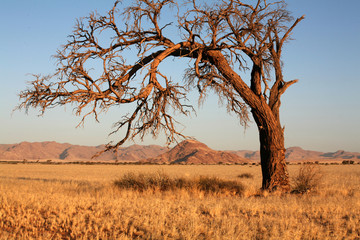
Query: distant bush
<point>246,175</point>
<point>348,162</point>
<point>162,182</point>
<point>308,179</point>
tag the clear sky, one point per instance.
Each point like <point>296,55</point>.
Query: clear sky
<point>321,112</point>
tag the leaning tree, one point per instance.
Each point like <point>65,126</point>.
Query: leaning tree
<point>232,48</point>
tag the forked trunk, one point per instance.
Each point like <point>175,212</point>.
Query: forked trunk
<point>272,153</point>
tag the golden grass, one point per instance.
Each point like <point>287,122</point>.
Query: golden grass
<point>81,202</point>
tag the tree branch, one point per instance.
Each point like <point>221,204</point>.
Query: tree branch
<point>219,41</point>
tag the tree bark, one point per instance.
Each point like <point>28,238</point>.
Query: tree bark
<point>271,135</point>
<point>272,153</point>
<point>272,150</point>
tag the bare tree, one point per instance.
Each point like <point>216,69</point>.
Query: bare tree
<point>223,42</point>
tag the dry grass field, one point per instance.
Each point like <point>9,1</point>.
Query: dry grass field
<point>81,202</point>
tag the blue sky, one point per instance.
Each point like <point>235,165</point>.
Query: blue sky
<point>321,112</point>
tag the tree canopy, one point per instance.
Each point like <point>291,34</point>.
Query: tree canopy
<point>224,42</point>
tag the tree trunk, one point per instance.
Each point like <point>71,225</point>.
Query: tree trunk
<point>272,150</point>
<point>272,153</point>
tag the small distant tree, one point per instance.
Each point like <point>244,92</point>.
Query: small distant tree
<point>224,42</point>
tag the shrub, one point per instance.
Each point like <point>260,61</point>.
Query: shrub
<point>162,182</point>
<point>308,179</point>
<point>141,182</point>
<point>216,185</point>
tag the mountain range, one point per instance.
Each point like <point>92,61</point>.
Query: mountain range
<point>69,152</point>
<point>186,152</point>
<point>297,154</point>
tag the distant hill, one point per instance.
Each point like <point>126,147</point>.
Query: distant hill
<point>194,152</point>
<point>298,154</point>
<point>186,152</point>
<point>68,152</point>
